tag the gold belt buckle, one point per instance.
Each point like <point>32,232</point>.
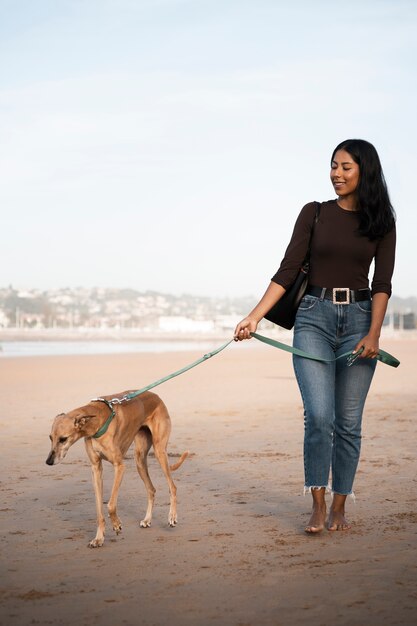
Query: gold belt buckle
<point>344,290</point>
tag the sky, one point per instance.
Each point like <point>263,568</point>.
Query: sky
<point>169,145</point>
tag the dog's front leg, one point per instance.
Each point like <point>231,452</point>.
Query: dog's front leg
<point>97,470</point>
<point>97,473</point>
<point>119,470</point>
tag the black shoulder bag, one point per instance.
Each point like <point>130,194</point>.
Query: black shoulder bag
<point>284,311</point>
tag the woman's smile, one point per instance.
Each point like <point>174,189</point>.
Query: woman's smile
<point>344,175</point>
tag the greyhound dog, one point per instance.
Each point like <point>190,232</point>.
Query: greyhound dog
<point>144,419</point>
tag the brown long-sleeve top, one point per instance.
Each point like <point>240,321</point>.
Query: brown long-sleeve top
<point>340,256</point>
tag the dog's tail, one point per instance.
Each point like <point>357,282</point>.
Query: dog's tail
<point>180,462</point>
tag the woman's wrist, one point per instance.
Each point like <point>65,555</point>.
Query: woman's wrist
<point>254,318</point>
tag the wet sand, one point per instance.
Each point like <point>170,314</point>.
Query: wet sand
<point>239,555</point>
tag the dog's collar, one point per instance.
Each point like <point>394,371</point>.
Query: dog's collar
<point>108,421</point>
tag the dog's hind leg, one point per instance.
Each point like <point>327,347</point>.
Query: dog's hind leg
<point>160,427</point>
<point>143,442</point>
<point>162,456</point>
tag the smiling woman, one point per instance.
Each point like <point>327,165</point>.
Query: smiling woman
<point>338,313</point>
<point>345,177</point>
<point>356,167</point>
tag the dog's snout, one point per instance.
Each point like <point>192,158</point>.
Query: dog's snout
<point>51,458</point>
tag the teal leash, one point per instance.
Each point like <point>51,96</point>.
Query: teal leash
<point>133,394</point>
<point>382,356</point>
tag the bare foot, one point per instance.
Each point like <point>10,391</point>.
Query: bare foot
<point>337,520</point>
<point>317,519</point>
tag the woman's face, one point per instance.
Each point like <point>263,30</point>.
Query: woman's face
<point>344,174</point>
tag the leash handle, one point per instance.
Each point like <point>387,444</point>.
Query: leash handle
<point>384,357</point>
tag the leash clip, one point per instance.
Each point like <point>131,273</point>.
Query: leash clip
<point>112,401</point>
<point>119,400</point>
<point>353,356</point>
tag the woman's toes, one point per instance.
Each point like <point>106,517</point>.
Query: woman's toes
<point>337,522</point>
<point>312,530</point>
<point>316,521</point>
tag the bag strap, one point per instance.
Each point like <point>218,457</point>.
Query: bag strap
<point>306,261</point>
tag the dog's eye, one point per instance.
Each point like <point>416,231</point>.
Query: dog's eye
<point>50,437</point>
<point>62,439</point>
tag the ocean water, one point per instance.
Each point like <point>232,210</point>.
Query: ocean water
<point>63,348</point>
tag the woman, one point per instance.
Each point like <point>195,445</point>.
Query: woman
<point>339,313</point>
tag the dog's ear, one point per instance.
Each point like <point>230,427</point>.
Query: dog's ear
<point>80,422</point>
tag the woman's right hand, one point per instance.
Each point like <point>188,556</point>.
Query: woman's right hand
<point>251,321</point>
<point>245,328</point>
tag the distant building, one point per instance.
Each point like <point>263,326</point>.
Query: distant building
<point>4,320</point>
<point>408,321</point>
<point>401,321</point>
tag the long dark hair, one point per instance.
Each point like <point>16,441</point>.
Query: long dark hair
<point>376,214</point>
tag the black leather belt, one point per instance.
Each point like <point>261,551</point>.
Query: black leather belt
<point>339,295</point>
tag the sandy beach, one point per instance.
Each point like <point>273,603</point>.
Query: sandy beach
<point>239,555</point>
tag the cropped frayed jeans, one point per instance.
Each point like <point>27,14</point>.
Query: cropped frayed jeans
<point>333,394</point>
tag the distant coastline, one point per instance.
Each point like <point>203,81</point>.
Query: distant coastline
<point>28,342</point>
<point>107,334</point>
<point>80,334</point>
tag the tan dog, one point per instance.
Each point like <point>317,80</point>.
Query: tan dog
<point>145,420</point>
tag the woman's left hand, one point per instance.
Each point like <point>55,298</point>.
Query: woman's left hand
<point>370,345</point>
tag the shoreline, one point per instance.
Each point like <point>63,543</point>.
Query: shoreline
<point>140,335</point>
<point>35,343</point>
<point>90,334</point>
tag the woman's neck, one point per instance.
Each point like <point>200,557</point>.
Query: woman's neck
<point>347,202</point>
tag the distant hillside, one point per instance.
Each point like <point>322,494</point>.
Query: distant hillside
<point>127,308</point>
<point>63,308</point>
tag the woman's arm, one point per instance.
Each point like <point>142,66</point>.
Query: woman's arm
<point>370,342</point>
<point>250,322</point>
<point>381,291</point>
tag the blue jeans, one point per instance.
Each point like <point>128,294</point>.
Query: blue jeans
<point>333,394</point>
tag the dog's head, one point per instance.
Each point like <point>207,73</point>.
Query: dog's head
<point>67,428</point>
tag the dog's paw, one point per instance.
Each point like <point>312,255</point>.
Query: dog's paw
<point>172,521</point>
<point>117,528</point>
<point>145,523</point>
<point>96,543</point>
